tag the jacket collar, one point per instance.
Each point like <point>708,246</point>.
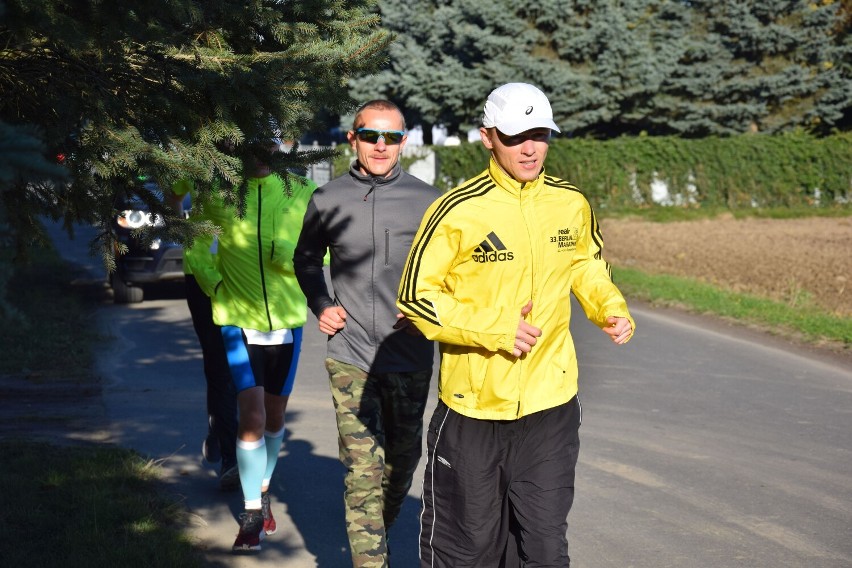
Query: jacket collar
<point>371,180</point>
<point>510,184</point>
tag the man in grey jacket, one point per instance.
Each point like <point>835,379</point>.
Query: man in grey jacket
<point>379,366</point>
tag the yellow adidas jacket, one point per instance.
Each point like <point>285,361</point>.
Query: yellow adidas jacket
<point>482,252</point>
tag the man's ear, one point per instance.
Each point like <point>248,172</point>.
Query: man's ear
<point>350,137</point>
<point>485,136</point>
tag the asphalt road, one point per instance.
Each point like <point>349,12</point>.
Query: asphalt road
<point>702,445</point>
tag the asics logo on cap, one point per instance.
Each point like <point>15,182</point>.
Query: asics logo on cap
<point>516,107</point>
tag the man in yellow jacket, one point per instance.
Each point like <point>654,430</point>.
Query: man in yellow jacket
<point>489,276</point>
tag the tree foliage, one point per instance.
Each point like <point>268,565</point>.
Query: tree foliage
<point>612,67</point>
<point>164,89</point>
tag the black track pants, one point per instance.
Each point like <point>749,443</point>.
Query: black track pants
<point>487,481</point>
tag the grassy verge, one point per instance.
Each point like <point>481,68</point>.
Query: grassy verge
<point>802,322</point>
<point>70,506</point>
<point>669,214</point>
<point>86,507</point>
<point>45,326</point>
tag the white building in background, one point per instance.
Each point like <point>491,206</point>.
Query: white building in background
<point>415,136</point>
<point>440,136</point>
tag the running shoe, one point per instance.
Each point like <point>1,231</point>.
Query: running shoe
<point>269,526</point>
<point>251,532</point>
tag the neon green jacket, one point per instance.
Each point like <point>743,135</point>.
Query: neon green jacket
<point>198,212</point>
<point>482,252</point>
<point>250,279</point>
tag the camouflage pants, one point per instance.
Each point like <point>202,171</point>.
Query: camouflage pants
<point>380,426</point>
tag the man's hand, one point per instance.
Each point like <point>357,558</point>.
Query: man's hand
<point>618,329</point>
<point>332,319</point>
<point>403,322</point>
<point>526,335</point>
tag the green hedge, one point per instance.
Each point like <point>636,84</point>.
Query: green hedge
<point>746,171</point>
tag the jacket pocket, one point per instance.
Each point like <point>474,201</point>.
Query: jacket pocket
<point>480,379</point>
<point>466,376</point>
<point>387,247</point>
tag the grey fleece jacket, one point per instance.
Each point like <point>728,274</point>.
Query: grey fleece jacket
<point>368,225</point>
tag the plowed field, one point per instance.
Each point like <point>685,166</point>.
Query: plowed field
<point>788,260</point>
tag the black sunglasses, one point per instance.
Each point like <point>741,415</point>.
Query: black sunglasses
<point>372,136</point>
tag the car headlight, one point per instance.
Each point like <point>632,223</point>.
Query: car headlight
<point>134,219</point>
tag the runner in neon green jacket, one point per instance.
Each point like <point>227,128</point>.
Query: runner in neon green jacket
<point>252,283</point>
<point>260,306</point>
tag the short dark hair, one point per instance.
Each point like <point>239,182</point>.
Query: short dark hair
<point>376,104</point>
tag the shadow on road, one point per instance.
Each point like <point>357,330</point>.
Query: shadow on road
<point>311,486</point>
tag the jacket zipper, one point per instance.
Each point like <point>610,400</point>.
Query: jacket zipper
<point>530,241</point>
<point>260,254</point>
<point>387,247</point>
<point>532,290</point>
<point>373,260</point>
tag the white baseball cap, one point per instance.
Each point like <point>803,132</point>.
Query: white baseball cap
<point>517,107</point>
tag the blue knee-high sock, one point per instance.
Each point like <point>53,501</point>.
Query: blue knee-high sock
<point>251,460</point>
<point>274,440</point>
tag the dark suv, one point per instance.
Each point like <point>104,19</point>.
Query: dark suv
<point>145,262</point>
